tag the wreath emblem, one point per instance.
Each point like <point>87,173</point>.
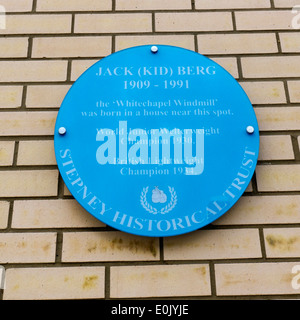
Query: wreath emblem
<point>168,208</point>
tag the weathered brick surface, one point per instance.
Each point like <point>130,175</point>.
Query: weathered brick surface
<point>278,119</point>
<point>251,210</point>
<point>184,41</point>
<point>41,214</point>
<point>36,153</point>
<point>71,47</point>
<point>54,283</point>
<point>17,5</point>
<point>214,244</point>
<point>108,246</point>
<point>237,43</point>
<point>276,148</point>
<point>11,96</point>
<point>6,153</point>
<point>29,183</point>
<point>73,5</point>
<point>13,47</point>
<point>27,123</point>
<point>278,178</point>
<point>51,247</point>
<point>37,23</point>
<point>271,67</point>
<point>153,5</point>
<point>114,23</point>
<point>282,242</point>
<point>4,210</point>
<point>45,96</point>
<point>160,281</point>
<point>33,71</point>
<point>294,90</point>
<point>255,279</point>
<point>262,92</point>
<point>232,4</point>
<point>264,20</point>
<point>286,3</point>
<point>179,22</point>
<point>290,42</point>
<point>27,247</point>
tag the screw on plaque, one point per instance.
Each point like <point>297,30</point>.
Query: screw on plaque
<point>250,130</point>
<point>62,131</point>
<point>154,49</point>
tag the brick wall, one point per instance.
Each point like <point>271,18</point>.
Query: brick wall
<point>53,249</point>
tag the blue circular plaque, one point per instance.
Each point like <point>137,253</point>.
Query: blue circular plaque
<point>156,140</point>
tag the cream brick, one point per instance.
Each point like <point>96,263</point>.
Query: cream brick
<point>278,177</point>
<point>282,242</point>
<point>67,191</point>
<point>27,123</point>
<point>113,23</point>
<point>153,4</point>
<point>256,210</point>
<point>7,149</point>
<point>17,5</point>
<point>294,90</point>
<point>73,5</point>
<point>27,247</point>
<point>36,153</point>
<point>264,20</point>
<point>13,47</point>
<point>55,283</point>
<point>41,214</point>
<point>229,64</point>
<point>28,183</point>
<point>262,92</point>
<point>281,118</point>
<point>4,211</point>
<point>160,281</point>
<point>37,23</point>
<point>108,246</point>
<point>45,96</point>
<point>232,4</point>
<point>193,21</point>
<point>184,41</point>
<point>71,47</point>
<point>33,71</point>
<point>286,3</point>
<point>214,244</point>
<point>237,43</point>
<point>250,187</point>
<point>290,42</point>
<point>276,148</point>
<point>79,67</point>
<point>254,279</point>
<point>10,96</point>
<point>271,67</point>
